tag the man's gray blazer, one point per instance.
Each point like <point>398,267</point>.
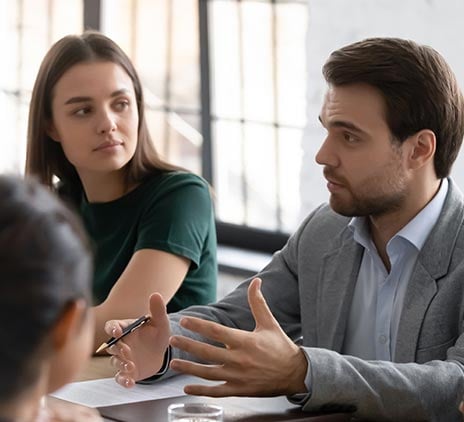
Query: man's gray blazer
<point>309,286</point>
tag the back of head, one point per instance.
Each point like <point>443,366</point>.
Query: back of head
<point>419,88</point>
<point>45,265</point>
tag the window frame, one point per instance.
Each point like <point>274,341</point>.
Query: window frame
<point>234,235</point>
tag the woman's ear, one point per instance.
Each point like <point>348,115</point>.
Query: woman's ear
<point>68,324</point>
<point>52,132</point>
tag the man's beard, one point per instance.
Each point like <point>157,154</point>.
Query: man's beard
<point>374,206</point>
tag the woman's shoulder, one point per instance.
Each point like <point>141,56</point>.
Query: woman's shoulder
<point>177,179</point>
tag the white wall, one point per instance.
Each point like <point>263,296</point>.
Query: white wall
<point>334,23</point>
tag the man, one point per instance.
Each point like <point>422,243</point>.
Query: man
<point>371,288</point>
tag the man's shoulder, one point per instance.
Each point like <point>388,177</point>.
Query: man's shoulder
<point>325,217</point>
<point>324,224</point>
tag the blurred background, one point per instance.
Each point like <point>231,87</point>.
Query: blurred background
<point>233,88</point>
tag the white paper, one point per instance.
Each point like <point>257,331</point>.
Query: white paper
<point>106,392</point>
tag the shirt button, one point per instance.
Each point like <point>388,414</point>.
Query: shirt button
<point>382,339</point>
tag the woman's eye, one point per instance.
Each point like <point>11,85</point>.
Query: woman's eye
<point>122,105</point>
<point>82,111</point>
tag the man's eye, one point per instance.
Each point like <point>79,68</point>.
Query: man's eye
<point>349,138</point>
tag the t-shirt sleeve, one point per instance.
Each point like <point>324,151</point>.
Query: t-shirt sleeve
<point>178,217</point>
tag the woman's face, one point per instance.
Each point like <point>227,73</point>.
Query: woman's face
<point>95,117</point>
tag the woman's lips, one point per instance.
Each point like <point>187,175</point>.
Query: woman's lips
<point>108,145</point>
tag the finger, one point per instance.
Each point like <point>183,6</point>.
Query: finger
<point>124,380</point>
<point>212,330</point>
<point>121,365</point>
<point>120,349</point>
<point>209,372</point>
<point>204,351</point>
<point>259,308</point>
<point>114,327</point>
<point>159,316</point>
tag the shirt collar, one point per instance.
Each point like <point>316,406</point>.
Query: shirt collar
<point>416,231</point>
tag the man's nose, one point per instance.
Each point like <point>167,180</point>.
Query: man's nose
<point>326,156</point>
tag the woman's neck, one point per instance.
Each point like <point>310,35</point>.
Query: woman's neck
<point>104,187</point>
<point>26,408</point>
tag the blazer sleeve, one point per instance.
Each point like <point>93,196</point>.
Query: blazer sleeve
<point>387,391</point>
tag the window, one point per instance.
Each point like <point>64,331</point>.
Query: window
<point>225,88</point>
<point>27,30</point>
<point>224,85</point>
<point>257,109</point>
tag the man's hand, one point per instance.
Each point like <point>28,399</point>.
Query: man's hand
<point>140,354</point>
<point>264,362</point>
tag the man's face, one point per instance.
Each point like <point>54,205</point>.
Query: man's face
<point>363,164</point>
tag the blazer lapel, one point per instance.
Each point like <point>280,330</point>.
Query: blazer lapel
<point>335,291</point>
<point>420,292</point>
<point>432,264</point>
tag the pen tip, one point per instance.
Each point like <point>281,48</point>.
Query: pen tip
<point>103,346</point>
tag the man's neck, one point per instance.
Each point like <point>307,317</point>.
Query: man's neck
<point>384,227</point>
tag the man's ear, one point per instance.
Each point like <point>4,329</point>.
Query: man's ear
<point>422,148</point>
<point>69,323</point>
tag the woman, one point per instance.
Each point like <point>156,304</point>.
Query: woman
<point>152,223</point>
<point>47,327</point>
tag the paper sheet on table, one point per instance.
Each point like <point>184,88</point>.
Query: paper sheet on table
<point>106,392</point>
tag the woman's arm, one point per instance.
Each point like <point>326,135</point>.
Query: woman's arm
<point>148,271</point>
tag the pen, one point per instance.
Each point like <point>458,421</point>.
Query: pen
<point>131,327</point>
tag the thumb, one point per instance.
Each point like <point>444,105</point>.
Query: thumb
<point>259,308</point>
<point>158,313</point>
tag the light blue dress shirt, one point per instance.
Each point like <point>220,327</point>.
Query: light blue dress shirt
<point>378,297</point>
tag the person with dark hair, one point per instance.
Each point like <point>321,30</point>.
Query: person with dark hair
<point>362,310</point>
<point>47,329</point>
<point>152,223</point>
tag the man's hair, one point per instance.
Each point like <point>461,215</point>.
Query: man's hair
<point>45,265</point>
<point>419,88</point>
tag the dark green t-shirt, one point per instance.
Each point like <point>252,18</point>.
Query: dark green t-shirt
<point>171,212</point>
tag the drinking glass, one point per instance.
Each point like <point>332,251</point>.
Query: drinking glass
<point>194,412</point>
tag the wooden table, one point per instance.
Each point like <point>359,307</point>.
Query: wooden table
<point>97,367</point>
<point>236,409</point>
<point>275,409</point>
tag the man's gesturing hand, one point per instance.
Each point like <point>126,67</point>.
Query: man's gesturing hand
<point>141,353</point>
<point>264,362</point>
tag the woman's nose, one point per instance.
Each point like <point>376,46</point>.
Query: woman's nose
<point>106,123</point>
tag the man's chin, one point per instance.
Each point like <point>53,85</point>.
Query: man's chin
<point>341,208</point>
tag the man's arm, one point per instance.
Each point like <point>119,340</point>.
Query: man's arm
<point>380,390</point>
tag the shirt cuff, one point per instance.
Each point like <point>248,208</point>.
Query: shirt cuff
<point>164,368</point>
<point>302,398</point>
